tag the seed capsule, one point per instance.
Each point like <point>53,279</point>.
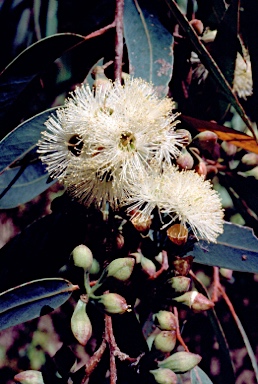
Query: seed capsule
<point>80,323</point>
<point>82,257</point>
<point>165,341</point>
<point>29,377</point>
<point>180,362</point>
<point>178,234</point>
<point>164,376</point>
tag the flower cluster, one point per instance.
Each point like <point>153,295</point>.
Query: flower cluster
<point>117,144</point>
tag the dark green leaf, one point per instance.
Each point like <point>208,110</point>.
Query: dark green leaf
<point>23,175</point>
<point>208,61</point>
<point>23,69</point>
<point>236,249</point>
<point>198,376</point>
<point>149,44</point>
<point>33,299</point>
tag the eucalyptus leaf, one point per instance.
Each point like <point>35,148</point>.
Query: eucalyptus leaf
<point>33,299</point>
<point>236,249</point>
<point>16,77</point>
<point>150,53</point>
<point>198,376</point>
<point>23,176</point>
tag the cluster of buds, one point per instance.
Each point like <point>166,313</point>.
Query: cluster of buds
<point>165,333</point>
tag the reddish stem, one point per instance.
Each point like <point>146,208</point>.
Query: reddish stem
<point>164,266</point>
<point>94,360</point>
<point>216,284</point>
<point>100,31</point>
<point>178,334</point>
<point>119,39</point>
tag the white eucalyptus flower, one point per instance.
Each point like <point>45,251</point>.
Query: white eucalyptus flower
<point>184,196</point>
<point>100,140</point>
<point>243,81</point>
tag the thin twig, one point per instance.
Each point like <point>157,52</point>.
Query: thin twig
<point>119,39</point>
<point>100,31</point>
<point>216,284</point>
<point>94,360</point>
<point>109,335</point>
<point>241,330</point>
<point>164,266</point>
<point>178,334</point>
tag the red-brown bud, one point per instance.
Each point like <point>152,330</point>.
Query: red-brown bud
<point>185,160</point>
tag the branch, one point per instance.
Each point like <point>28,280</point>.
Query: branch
<point>119,39</point>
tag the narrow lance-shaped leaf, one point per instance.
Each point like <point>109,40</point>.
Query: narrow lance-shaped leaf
<point>236,249</point>
<point>208,61</point>
<point>149,44</point>
<point>33,299</point>
<point>198,376</point>
<point>22,175</point>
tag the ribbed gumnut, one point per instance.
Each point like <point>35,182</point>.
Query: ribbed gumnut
<point>80,323</point>
<point>166,320</point>
<point>178,234</point>
<point>29,377</point>
<point>148,266</point>
<point>165,341</point>
<point>140,222</point>
<point>195,300</point>
<point>180,283</point>
<point>164,376</point>
<point>185,160</point>
<point>180,362</point>
<point>114,303</point>
<point>121,268</point>
<point>82,257</point>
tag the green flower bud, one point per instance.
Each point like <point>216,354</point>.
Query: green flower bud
<point>82,257</point>
<point>114,303</point>
<point>180,362</point>
<point>166,320</point>
<point>164,376</point>
<point>148,266</point>
<point>80,323</point>
<point>165,341</point>
<point>250,159</point>
<point>29,377</point>
<point>94,269</point>
<point>180,283</point>
<point>195,300</point>
<point>121,268</point>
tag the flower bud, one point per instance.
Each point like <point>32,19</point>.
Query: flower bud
<point>227,273</point>
<point>80,323</point>
<point>137,256</point>
<point>114,303</point>
<point>178,234</point>
<point>180,362</point>
<point>197,26</point>
<point>82,257</point>
<point>201,168</point>
<point>180,283</point>
<point>206,140</point>
<point>165,341</point>
<point>29,377</point>
<point>120,241</point>
<point>195,300</point>
<point>164,376</point>
<point>94,269</point>
<point>166,320</point>
<point>148,266</point>
<point>121,268</point>
<point>185,160</point>
<point>250,159</point>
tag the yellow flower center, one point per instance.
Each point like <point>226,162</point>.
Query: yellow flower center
<point>127,141</point>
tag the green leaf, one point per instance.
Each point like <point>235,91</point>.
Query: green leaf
<point>208,62</point>
<point>22,176</point>
<point>149,44</point>
<point>198,376</point>
<point>236,249</point>
<point>24,68</point>
<point>33,299</point>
